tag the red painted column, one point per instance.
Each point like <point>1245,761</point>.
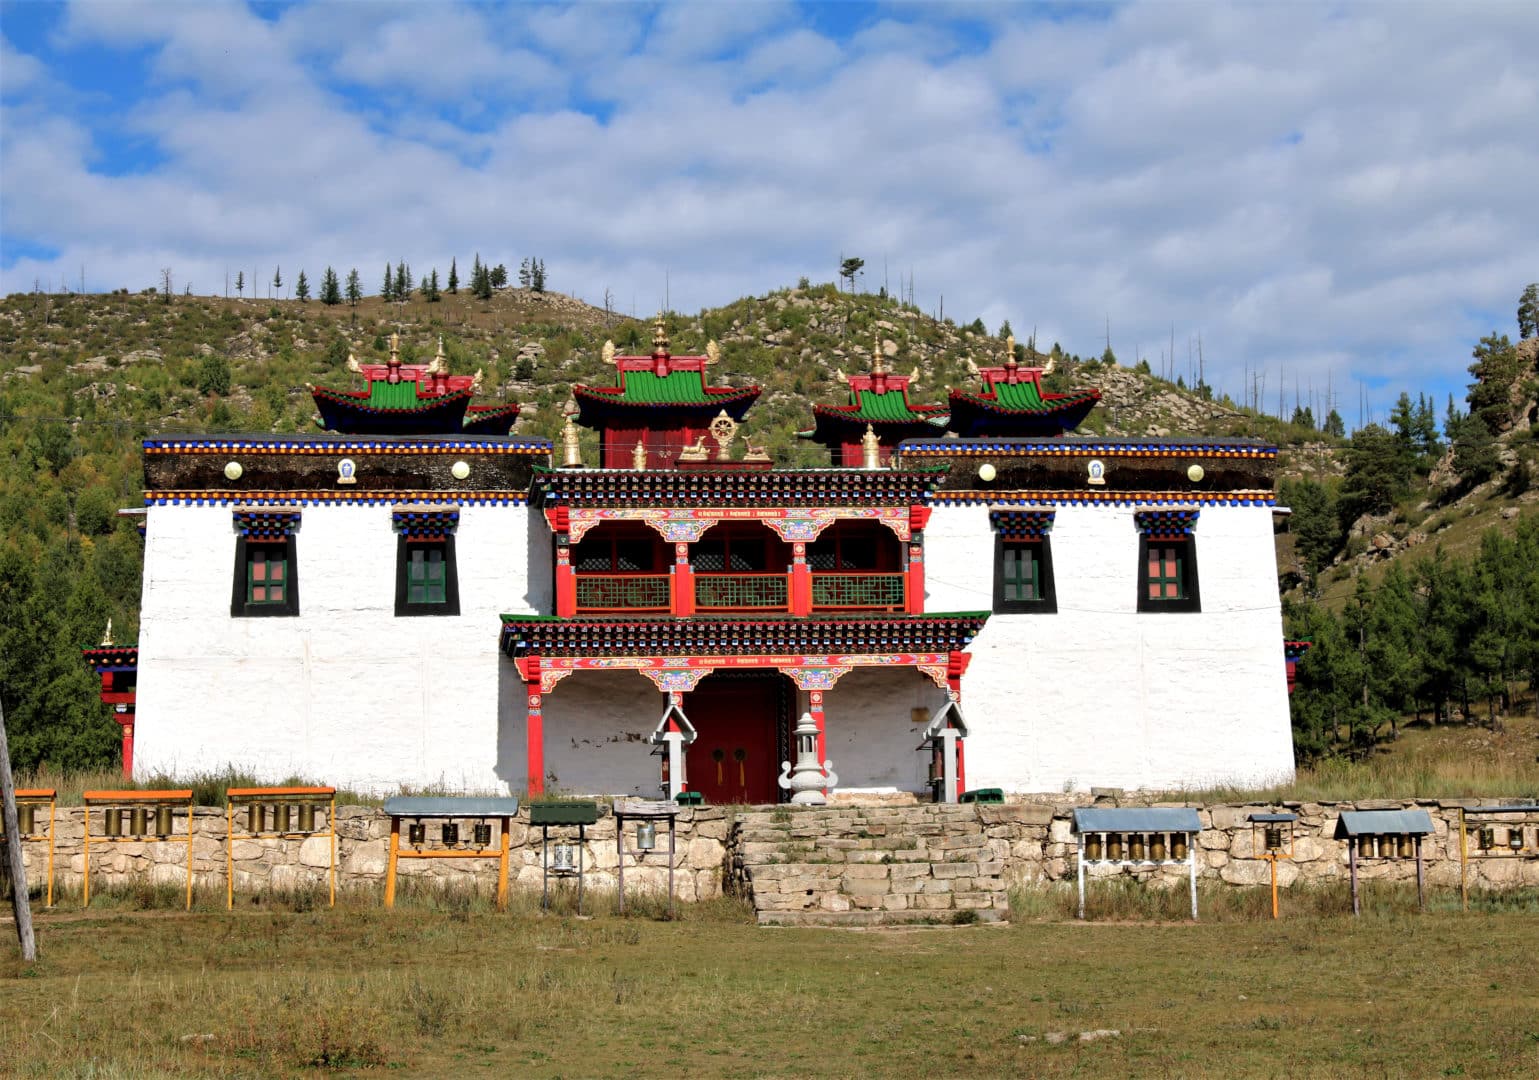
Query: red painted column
<point>801,582</point>
<point>683,581</point>
<point>535,731</point>
<point>815,706</point>
<point>956,667</point>
<point>566,579</point>
<point>913,578</point>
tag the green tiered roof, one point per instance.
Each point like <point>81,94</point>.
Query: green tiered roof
<point>878,401</point>
<point>411,399</point>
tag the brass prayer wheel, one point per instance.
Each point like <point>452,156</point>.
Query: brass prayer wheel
<point>110,822</point>
<point>139,819</point>
<point>1487,839</point>
<point>281,813</point>
<point>1114,846</point>
<point>1157,850</point>
<point>163,821</point>
<point>1274,840</point>
<point>1407,847</point>
<point>483,833</point>
<point>26,818</point>
<point>254,818</point>
<point>1137,846</point>
<point>450,834</point>
<point>307,818</point>
<point>1093,847</point>
<point>416,833</point>
<point>1178,846</point>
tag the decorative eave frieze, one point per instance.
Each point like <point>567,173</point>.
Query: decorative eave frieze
<point>618,488</point>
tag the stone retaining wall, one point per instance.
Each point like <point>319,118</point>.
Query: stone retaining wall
<point>1017,843</point>
<point>362,849</point>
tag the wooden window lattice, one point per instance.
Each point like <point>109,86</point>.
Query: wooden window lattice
<point>1021,571</point>
<point>878,592</point>
<point>266,574</point>
<point>735,591</point>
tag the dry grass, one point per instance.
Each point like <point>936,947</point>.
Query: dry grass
<point>1426,762</point>
<point>440,987</point>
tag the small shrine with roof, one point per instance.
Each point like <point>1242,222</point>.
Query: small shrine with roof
<point>967,596</point>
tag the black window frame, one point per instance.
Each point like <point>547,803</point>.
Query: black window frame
<point>404,608</point>
<point>240,607</point>
<point>1047,602</point>
<point>1190,585</point>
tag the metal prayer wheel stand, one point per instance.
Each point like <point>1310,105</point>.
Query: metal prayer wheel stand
<point>568,861</point>
<point>127,818</point>
<point>646,815</point>
<point>1385,834</point>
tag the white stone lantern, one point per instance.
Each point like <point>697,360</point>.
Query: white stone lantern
<point>807,780</point>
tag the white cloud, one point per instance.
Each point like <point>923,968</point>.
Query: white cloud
<point>1309,189</point>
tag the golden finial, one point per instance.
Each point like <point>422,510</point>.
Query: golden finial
<point>878,361</point>
<point>352,363</point>
<point>1010,351</point>
<point>639,456</point>
<point>608,352</point>
<point>440,364</point>
<point>571,449</point>
<point>913,376</point>
<point>659,337</point>
<point>107,636</point>
<point>712,353</point>
<point>475,382</point>
<point>870,449</point>
<point>395,347</point>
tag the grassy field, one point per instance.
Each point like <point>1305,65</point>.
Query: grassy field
<point>439,988</point>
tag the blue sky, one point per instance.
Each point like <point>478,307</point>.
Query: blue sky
<point>1329,194</point>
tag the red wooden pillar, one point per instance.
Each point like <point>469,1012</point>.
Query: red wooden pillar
<point>122,702</point>
<point>535,730</point>
<point>683,581</point>
<point>956,667</point>
<point>801,584</point>
<point>566,579</point>
<point>815,707</point>
<point>913,577</point>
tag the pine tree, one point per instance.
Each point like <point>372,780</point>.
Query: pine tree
<point>277,280</point>
<point>240,283</point>
<point>525,276</point>
<point>354,288</point>
<point>430,291</point>
<point>1528,313</point>
<point>454,278</point>
<point>499,276</point>
<point>403,282</point>
<point>387,290</point>
<point>302,288</point>
<point>331,291</point>
<point>481,281</point>
<point>537,275</point>
<point>1334,426</point>
<point>1497,366</point>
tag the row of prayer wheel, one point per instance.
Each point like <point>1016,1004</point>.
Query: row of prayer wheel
<point>1487,840</point>
<point>449,834</point>
<point>1386,846</point>
<point>280,818</point>
<point>136,821</point>
<point>1136,847</point>
<point>26,819</point>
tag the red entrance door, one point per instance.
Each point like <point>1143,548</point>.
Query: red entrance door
<point>733,757</point>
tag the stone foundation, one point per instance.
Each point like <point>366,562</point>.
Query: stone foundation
<point>841,863</point>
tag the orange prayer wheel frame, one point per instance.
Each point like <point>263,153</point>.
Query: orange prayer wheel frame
<point>256,797</point>
<point>139,801</point>
<point>37,797</point>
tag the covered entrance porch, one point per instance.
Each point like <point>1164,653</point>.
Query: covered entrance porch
<point>730,691</point>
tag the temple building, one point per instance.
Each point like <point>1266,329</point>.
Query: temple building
<point>968,597</point>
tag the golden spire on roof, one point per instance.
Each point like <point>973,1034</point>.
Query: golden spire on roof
<point>395,347</point>
<point>878,361</point>
<point>1010,351</point>
<point>607,354</point>
<point>107,636</point>
<point>440,364</point>
<point>712,353</point>
<point>659,337</point>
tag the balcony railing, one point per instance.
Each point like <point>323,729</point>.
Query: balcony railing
<point>741,592</point>
<point>622,592</point>
<point>857,592</point>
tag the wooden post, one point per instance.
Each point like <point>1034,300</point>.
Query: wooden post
<point>502,868</point>
<point>1464,857</point>
<point>1421,879</point>
<point>620,855</point>
<point>1081,862</point>
<point>20,902</point>
<point>1273,860</point>
<point>1352,860</point>
<point>390,862</point>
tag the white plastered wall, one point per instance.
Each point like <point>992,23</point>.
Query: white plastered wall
<point>345,693</point>
<point>869,731</point>
<point>1100,694</point>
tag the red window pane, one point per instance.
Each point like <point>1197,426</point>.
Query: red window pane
<point>258,593</point>
<point>275,594</point>
<point>259,570</point>
<point>1172,591</point>
<point>275,572</point>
